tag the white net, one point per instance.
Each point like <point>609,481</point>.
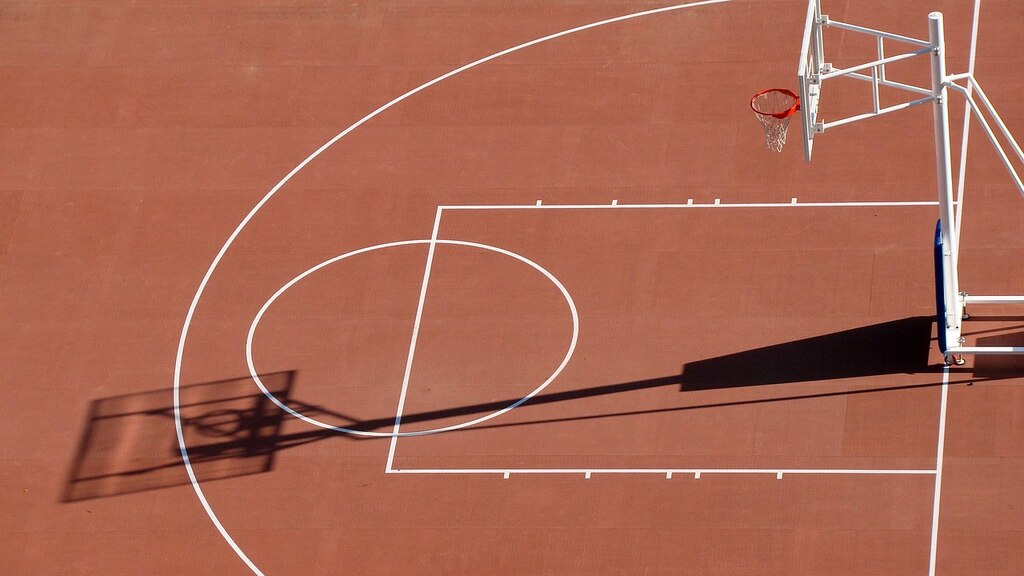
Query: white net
<point>773,109</point>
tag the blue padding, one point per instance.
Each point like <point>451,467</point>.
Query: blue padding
<point>940,290</point>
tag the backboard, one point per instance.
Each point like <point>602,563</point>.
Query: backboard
<point>812,65</point>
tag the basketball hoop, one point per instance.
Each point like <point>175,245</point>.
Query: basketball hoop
<point>774,108</point>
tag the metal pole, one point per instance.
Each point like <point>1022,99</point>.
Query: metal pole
<point>944,172</point>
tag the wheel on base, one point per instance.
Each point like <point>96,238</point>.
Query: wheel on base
<point>957,359</point>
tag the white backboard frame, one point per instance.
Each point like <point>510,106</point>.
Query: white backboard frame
<point>812,65</point>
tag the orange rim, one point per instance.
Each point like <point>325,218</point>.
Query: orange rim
<point>784,113</point>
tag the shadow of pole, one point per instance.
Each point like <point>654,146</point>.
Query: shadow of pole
<point>232,429</point>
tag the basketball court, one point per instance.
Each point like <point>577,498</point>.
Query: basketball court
<point>438,288</point>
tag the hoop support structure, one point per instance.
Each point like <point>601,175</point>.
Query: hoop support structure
<point>951,301</point>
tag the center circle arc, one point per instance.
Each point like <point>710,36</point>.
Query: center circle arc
<point>254,373</point>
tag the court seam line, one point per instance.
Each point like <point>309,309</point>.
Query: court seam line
<point>415,336</point>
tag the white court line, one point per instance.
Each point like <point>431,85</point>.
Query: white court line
<point>254,372</point>
<point>934,548</point>
<point>938,473</point>
<point>691,205</point>
<point>415,337</point>
<point>670,471</point>
<point>215,263</point>
<point>967,123</point>
<point>696,472</point>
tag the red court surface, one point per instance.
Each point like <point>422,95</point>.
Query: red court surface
<point>551,310</point>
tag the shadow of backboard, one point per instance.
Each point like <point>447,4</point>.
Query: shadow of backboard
<point>899,346</point>
<point>130,443</point>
